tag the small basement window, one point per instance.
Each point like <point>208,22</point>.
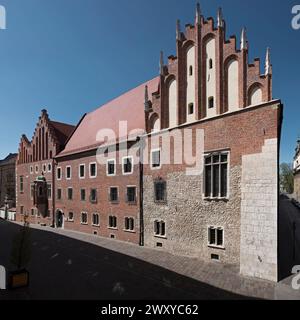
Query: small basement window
<point>215,257</point>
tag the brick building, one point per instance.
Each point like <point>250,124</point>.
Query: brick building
<point>8,180</point>
<point>111,178</point>
<point>36,170</point>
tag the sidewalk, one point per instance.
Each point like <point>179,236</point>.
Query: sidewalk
<point>214,274</point>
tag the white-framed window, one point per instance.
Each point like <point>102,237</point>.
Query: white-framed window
<point>49,167</point>
<point>216,237</point>
<point>129,224</point>
<point>68,172</point>
<point>58,173</point>
<point>93,170</point>
<point>216,180</point>
<point>71,216</point>
<point>31,169</point>
<point>49,191</point>
<point>81,171</point>
<point>111,167</point>
<point>127,165</point>
<point>37,169</point>
<point>159,228</point>
<point>95,219</point>
<point>112,222</point>
<point>156,159</point>
<point>84,218</point>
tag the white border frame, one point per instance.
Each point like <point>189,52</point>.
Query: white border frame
<point>151,159</point>
<point>92,216</point>
<point>157,235</point>
<point>81,165</point>
<point>132,166</point>
<point>96,168</point>
<point>214,246</point>
<point>134,224</point>
<point>115,165</point>
<point>50,183</point>
<point>227,198</point>
<point>66,172</point>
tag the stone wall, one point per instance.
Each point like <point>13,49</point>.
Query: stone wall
<point>187,216</point>
<point>259,213</point>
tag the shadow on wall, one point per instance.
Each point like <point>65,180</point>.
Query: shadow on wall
<point>63,268</point>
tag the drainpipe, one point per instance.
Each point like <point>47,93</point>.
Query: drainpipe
<point>53,192</point>
<point>140,140</point>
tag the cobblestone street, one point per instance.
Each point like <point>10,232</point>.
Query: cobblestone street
<point>70,265</point>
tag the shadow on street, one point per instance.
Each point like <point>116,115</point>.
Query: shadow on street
<point>63,268</point>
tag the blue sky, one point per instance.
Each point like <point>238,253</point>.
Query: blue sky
<point>71,56</point>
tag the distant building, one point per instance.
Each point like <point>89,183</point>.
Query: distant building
<point>8,180</point>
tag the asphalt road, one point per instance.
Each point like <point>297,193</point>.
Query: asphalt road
<point>289,241</point>
<point>63,268</point>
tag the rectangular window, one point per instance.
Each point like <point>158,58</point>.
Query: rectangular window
<point>49,191</point>
<point>70,194</point>
<point>95,219</point>
<point>82,195</point>
<point>93,196</point>
<point>71,216</point>
<point>216,237</point>
<point>84,218</point>
<point>216,175</point>
<point>111,167</point>
<point>160,228</point>
<point>59,194</point>
<point>112,222</point>
<point>93,170</point>
<point>68,173</point>
<point>129,224</point>
<point>58,174</point>
<point>155,159</point>
<point>131,195</point>
<point>21,210</point>
<point>191,109</point>
<point>113,194</point>
<point>21,184</point>
<point>32,191</point>
<point>32,212</point>
<point>82,171</point>
<point>160,193</point>
<point>127,165</point>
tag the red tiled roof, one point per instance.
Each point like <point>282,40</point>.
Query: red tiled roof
<point>128,107</point>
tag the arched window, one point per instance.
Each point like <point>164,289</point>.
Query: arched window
<point>191,70</point>
<point>232,70</point>
<point>255,95</point>
<point>210,63</point>
<point>173,104</point>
